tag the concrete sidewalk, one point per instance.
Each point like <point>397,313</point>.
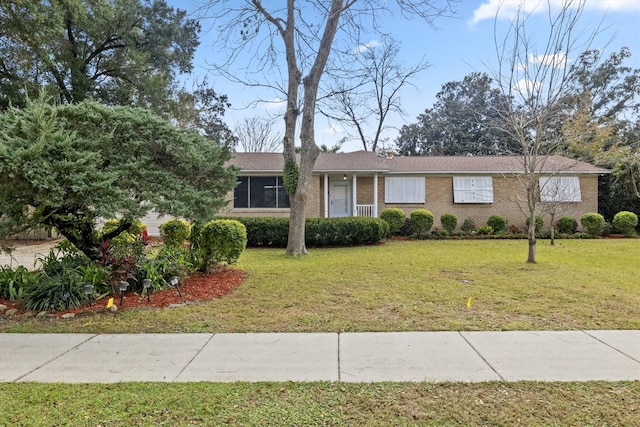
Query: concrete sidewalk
<point>348,357</point>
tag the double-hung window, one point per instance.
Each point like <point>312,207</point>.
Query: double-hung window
<point>564,189</point>
<point>260,192</point>
<point>404,189</point>
<point>472,189</point>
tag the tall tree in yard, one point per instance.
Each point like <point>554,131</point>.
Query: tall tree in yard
<point>536,74</point>
<point>124,52</point>
<point>66,166</point>
<point>303,34</point>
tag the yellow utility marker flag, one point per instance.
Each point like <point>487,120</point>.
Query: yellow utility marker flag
<point>469,302</point>
<point>110,303</point>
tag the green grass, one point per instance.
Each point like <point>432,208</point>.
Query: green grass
<point>412,285</point>
<point>322,404</point>
<point>406,286</point>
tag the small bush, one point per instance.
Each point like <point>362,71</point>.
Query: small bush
<point>394,217</point>
<point>175,232</point>
<point>566,225</point>
<point>221,240</point>
<point>485,230</point>
<point>449,222</point>
<point>593,223</point>
<point>422,221</point>
<point>625,222</point>
<point>468,226</point>
<point>347,231</point>
<point>127,236</point>
<point>13,282</point>
<point>407,228</point>
<point>539,223</point>
<point>497,222</point>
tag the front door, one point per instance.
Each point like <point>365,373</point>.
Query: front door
<point>340,199</point>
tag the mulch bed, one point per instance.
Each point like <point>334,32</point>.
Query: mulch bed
<point>198,287</point>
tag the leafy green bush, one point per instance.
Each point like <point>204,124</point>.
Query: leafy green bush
<point>593,223</point>
<point>539,223</point>
<point>13,282</point>
<point>449,222</point>
<point>497,223</point>
<point>485,230</point>
<point>422,221</point>
<point>175,232</point>
<point>566,225</point>
<point>319,232</point>
<point>169,262</point>
<point>468,225</point>
<point>407,228</point>
<point>129,235</point>
<point>221,240</point>
<point>394,217</point>
<point>626,222</point>
<point>347,231</point>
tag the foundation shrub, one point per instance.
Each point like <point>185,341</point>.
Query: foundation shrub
<point>449,222</point>
<point>539,223</point>
<point>468,226</point>
<point>497,223</point>
<point>593,224</point>
<point>625,222</point>
<point>394,217</point>
<point>566,225</point>
<point>422,221</point>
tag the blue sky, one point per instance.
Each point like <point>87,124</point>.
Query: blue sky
<point>458,47</point>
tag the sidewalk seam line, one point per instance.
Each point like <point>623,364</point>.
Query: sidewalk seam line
<point>191,360</point>
<point>55,358</point>
<point>481,356</point>
<point>610,346</point>
<point>339,357</point>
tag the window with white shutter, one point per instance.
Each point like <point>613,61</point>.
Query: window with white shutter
<point>472,189</point>
<point>404,189</point>
<point>565,189</point>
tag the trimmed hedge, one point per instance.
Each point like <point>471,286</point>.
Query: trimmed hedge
<point>422,221</point>
<point>626,222</point>
<point>394,217</point>
<point>449,222</point>
<point>567,225</point>
<point>175,232</point>
<point>319,232</point>
<point>221,240</point>
<point>593,224</point>
<point>497,223</point>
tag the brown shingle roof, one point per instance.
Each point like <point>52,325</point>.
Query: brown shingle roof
<point>364,161</point>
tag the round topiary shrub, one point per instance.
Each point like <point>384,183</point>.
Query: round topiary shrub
<point>221,240</point>
<point>625,222</point>
<point>175,232</point>
<point>422,221</point>
<point>539,223</point>
<point>497,223</point>
<point>593,224</point>
<point>468,226</point>
<point>449,222</point>
<point>394,217</point>
<point>566,225</point>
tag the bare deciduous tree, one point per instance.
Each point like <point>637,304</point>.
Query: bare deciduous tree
<point>535,73</point>
<point>372,93</point>
<point>301,33</point>
<point>257,135</point>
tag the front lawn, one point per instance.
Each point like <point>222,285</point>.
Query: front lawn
<point>405,286</point>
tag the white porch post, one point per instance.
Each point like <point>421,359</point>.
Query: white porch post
<point>326,195</point>
<point>375,195</point>
<point>355,195</point>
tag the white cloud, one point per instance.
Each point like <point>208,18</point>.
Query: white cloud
<point>507,9</point>
<point>365,47</point>
<point>525,87</point>
<point>558,60</point>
